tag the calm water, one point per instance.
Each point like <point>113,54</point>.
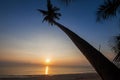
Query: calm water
<point>33,70</point>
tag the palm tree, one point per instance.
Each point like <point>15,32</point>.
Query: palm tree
<point>109,9</point>
<point>106,69</point>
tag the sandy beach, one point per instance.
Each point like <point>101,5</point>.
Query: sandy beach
<point>82,76</point>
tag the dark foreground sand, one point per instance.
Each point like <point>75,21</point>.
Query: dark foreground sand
<point>83,76</point>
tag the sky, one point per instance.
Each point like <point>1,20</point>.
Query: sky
<point>25,40</point>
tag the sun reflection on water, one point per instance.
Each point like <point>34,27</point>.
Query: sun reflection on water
<point>46,70</point>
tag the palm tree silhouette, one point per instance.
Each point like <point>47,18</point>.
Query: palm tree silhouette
<point>109,9</point>
<point>106,69</point>
<point>116,48</point>
<point>51,14</point>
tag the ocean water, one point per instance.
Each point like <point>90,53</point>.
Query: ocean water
<point>49,70</point>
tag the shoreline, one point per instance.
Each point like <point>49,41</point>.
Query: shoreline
<point>80,76</point>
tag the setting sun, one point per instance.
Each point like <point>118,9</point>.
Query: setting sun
<point>47,60</point>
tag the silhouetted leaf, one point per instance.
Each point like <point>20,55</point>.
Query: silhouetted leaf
<point>108,9</point>
<point>51,13</point>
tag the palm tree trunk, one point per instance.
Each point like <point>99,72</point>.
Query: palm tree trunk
<point>106,69</point>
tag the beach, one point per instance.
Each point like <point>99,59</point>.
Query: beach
<point>81,76</point>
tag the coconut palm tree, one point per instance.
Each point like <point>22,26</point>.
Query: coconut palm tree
<point>106,69</point>
<point>109,9</point>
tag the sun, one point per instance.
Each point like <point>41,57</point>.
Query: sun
<point>47,60</point>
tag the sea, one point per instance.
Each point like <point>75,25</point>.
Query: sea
<point>43,70</point>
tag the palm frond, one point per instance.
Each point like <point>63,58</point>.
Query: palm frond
<point>108,9</point>
<point>51,14</point>
<point>42,11</point>
<point>115,47</point>
<point>49,5</point>
<point>56,8</point>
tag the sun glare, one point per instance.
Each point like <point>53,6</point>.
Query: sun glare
<point>47,68</point>
<point>47,60</point>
